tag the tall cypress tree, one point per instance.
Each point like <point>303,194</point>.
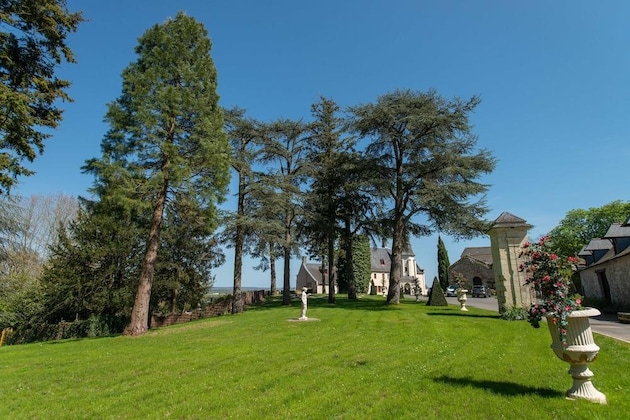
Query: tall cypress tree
<point>166,141</point>
<point>443,263</point>
<point>357,271</point>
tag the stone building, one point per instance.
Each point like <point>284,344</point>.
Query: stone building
<point>475,264</point>
<point>315,277</point>
<point>411,273</point>
<point>606,274</point>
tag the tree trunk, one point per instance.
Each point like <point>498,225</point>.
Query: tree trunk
<point>323,275</point>
<point>173,299</point>
<point>272,270</point>
<point>352,287</point>
<point>139,323</point>
<point>331,273</point>
<point>393,294</point>
<point>237,302</point>
<point>286,290</point>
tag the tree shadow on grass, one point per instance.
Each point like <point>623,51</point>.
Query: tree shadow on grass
<point>321,301</point>
<point>465,314</point>
<point>500,387</point>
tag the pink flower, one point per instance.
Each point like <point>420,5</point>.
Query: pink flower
<point>553,257</point>
<point>547,279</point>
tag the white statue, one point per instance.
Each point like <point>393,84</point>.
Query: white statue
<point>304,304</point>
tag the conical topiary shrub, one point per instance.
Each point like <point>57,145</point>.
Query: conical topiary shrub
<point>436,297</point>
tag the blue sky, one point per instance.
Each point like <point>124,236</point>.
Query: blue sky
<point>553,77</point>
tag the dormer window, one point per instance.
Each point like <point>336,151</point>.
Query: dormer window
<point>382,261</point>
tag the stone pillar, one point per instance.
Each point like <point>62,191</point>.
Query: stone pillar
<point>507,235</point>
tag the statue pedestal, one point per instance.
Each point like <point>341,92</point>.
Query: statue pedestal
<point>461,297</point>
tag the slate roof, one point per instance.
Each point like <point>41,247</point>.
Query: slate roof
<point>583,252</point>
<point>407,251</point>
<point>313,271</point>
<point>506,219</point>
<point>608,254</point>
<point>598,244</point>
<point>380,260</point>
<point>617,230</point>
<point>479,253</point>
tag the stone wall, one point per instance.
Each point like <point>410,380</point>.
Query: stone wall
<point>221,307</point>
<point>617,272</point>
<point>471,269</point>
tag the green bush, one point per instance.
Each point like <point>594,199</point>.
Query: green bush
<point>514,314</point>
<point>437,298</point>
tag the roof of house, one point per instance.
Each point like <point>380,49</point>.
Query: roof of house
<point>613,245</point>
<point>479,253</point>
<point>380,260</point>
<point>584,252</point>
<point>598,244</point>
<point>314,271</point>
<point>610,255</point>
<point>618,230</point>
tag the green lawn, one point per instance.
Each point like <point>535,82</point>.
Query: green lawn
<point>360,360</point>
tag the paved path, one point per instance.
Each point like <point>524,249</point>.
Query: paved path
<point>605,324</point>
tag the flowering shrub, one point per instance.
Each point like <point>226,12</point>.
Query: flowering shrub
<point>550,275</point>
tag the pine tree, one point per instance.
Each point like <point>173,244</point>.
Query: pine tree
<point>284,146</point>
<point>32,46</point>
<point>166,142</point>
<point>245,138</point>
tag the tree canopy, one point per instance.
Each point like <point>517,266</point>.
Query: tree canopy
<point>166,145</point>
<point>32,46</point>
<point>422,153</point>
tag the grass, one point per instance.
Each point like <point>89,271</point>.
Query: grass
<point>360,360</point>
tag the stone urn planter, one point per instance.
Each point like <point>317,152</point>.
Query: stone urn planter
<point>579,352</point>
<point>461,298</point>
